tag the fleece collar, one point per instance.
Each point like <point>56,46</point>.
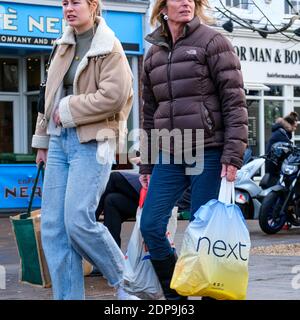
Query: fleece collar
<point>158,38</point>
<point>102,43</point>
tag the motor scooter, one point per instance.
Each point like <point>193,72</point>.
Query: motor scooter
<point>248,193</point>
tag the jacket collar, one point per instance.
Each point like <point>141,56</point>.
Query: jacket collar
<point>102,43</point>
<point>157,38</point>
<point>281,123</point>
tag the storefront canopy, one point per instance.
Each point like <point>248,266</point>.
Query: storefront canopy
<point>255,86</point>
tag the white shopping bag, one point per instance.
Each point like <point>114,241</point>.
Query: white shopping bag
<point>139,276</point>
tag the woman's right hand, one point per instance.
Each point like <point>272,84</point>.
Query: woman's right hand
<point>144,180</point>
<point>41,156</point>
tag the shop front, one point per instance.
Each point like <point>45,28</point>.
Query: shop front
<point>271,71</point>
<point>27,32</point>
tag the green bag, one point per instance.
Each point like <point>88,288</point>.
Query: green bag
<point>27,231</point>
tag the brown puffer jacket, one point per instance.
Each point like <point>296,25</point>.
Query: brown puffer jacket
<point>196,84</point>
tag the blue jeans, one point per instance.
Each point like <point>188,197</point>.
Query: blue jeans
<point>73,184</point>
<point>167,183</point>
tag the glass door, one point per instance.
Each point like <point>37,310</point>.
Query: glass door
<point>8,124</point>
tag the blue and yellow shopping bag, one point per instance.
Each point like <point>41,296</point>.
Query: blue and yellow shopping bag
<point>215,251</point>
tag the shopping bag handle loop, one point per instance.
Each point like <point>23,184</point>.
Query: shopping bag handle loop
<point>40,168</point>
<point>143,194</point>
<point>227,192</point>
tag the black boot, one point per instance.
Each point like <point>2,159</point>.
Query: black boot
<point>164,270</point>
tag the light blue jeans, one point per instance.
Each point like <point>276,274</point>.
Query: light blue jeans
<point>73,184</point>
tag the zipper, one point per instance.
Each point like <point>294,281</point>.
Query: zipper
<point>170,87</point>
<point>169,79</point>
<point>43,123</point>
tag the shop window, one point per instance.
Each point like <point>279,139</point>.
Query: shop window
<point>31,118</point>
<point>297,109</point>
<point>253,125</point>
<point>243,4</point>
<point>273,110</point>
<point>33,73</point>
<point>294,10</point>
<point>275,91</point>
<point>297,92</point>
<point>6,126</point>
<point>46,61</point>
<point>9,80</point>
<point>252,92</point>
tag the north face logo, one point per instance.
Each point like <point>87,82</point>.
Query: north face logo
<point>192,51</point>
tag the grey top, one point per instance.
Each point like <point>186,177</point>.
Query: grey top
<point>83,44</point>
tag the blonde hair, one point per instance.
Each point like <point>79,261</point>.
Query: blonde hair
<point>200,6</point>
<point>98,8</point>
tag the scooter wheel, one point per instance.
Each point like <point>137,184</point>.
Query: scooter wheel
<point>272,202</point>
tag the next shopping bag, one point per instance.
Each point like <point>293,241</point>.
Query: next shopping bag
<point>139,276</point>
<point>214,256</point>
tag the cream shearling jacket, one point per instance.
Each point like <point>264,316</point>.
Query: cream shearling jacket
<point>103,92</point>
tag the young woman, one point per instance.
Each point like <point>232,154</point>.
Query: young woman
<point>89,90</point>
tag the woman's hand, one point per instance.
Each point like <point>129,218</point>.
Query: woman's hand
<point>229,172</point>
<point>144,180</point>
<point>56,117</point>
<point>41,156</point>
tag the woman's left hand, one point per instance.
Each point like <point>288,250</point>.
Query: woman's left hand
<point>56,117</point>
<point>229,172</point>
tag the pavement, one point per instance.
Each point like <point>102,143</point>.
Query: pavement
<point>271,277</point>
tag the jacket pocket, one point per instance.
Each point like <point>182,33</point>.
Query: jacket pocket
<point>207,120</point>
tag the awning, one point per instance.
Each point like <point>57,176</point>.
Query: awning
<point>255,86</point>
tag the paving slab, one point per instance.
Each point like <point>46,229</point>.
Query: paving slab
<point>271,277</point>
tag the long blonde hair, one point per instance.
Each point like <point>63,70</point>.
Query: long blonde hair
<point>200,6</point>
<point>98,8</point>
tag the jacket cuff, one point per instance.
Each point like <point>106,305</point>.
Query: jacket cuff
<point>146,168</point>
<point>65,115</point>
<point>234,161</point>
<point>40,142</point>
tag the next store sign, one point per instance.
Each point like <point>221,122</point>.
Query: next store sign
<point>27,25</point>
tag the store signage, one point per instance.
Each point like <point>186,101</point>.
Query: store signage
<point>268,60</point>
<point>265,55</point>
<point>284,76</point>
<point>26,40</point>
<point>16,182</point>
<point>26,25</point>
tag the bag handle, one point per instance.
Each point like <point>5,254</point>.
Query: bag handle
<point>227,192</point>
<point>28,214</point>
<point>49,62</point>
<point>143,194</point>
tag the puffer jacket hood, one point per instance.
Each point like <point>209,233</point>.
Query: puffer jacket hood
<point>281,123</point>
<point>196,83</point>
<point>281,132</point>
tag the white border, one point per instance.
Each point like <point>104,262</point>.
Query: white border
<point>107,5</point>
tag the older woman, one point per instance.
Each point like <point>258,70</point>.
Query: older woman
<point>89,90</point>
<point>192,80</point>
